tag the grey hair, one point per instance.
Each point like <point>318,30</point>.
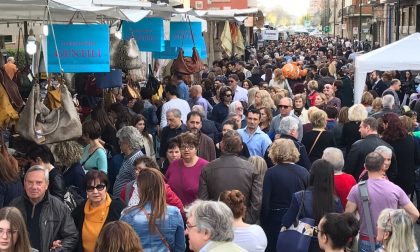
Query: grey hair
<point>214,217</point>
<point>131,136</point>
<point>35,168</point>
<point>383,150</point>
<point>232,106</point>
<point>199,109</point>
<point>288,124</point>
<point>288,99</point>
<point>388,101</point>
<point>335,157</point>
<point>176,112</point>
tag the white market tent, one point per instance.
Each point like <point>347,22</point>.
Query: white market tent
<point>401,55</point>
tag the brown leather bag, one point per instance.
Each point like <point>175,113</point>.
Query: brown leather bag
<point>187,65</point>
<point>12,90</point>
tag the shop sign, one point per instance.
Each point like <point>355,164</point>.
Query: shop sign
<point>148,33</point>
<point>81,48</point>
<point>270,35</point>
<point>180,34</point>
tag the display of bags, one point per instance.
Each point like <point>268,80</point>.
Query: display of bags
<point>7,113</point>
<point>298,236</point>
<point>124,54</point>
<point>44,126</point>
<point>187,65</point>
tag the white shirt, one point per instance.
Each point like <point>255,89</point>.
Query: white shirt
<point>250,238</point>
<point>180,104</point>
<point>241,94</point>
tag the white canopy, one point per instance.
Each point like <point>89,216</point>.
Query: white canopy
<point>401,55</point>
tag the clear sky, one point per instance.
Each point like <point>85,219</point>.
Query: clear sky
<point>294,7</point>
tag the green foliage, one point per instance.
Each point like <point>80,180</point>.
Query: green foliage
<point>20,61</point>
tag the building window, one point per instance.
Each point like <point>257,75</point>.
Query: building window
<point>199,5</point>
<point>8,38</point>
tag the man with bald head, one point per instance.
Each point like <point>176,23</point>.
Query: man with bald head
<point>285,108</point>
<point>196,94</point>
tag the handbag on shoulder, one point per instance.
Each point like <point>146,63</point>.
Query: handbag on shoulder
<point>44,126</point>
<point>298,236</point>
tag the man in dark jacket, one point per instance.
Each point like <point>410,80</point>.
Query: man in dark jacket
<point>370,140</point>
<point>289,130</point>
<point>175,127</point>
<point>378,85</point>
<point>206,148</point>
<point>231,172</point>
<point>48,220</point>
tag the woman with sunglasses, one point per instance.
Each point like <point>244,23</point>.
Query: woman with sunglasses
<point>395,231</point>
<point>99,208</point>
<point>336,231</point>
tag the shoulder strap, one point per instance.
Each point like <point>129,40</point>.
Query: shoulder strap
<point>316,140</point>
<point>84,162</point>
<point>160,234</point>
<point>301,206</point>
<point>364,195</point>
<point>297,175</point>
<point>128,189</point>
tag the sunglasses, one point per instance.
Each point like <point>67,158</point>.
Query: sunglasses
<point>228,95</point>
<point>99,187</point>
<point>284,106</point>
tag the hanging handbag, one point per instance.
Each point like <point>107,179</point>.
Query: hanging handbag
<point>298,236</point>
<point>152,82</point>
<point>138,74</point>
<point>124,54</point>
<point>53,99</point>
<point>7,113</point>
<point>187,65</point>
<point>12,90</point>
<point>131,91</point>
<point>39,124</point>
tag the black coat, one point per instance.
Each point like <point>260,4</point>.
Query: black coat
<point>57,186</point>
<point>407,154</point>
<point>355,159</point>
<point>380,87</point>
<point>350,134</point>
<point>78,214</point>
<point>326,139</point>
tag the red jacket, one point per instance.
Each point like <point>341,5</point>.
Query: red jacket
<point>171,198</point>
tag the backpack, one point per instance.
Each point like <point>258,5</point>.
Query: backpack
<point>72,198</point>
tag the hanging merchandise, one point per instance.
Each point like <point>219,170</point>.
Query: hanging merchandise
<point>152,82</point>
<point>148,33</point>
<point>182,64</point>
<point>238,43</point>
<point>45,126</point>
<point>124,54</point>
<point>226,39</point>
<point>53,99</point>
<point>131,90</point>
<point>78,48</point>
<point>11,89</point>
<point>182,34</point>
<point>168,53</point>
<point>8,115</point>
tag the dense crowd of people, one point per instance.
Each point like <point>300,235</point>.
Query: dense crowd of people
<point>226,159</point>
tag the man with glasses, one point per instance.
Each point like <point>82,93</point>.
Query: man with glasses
<point>48,220</point>
<point>221,110</point>
<point>239,93</point>
<point>254,138</point>
<point>285,107</point>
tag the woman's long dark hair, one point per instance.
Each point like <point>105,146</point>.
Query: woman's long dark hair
<point>145,132</point>
<point>321,181</point>
<point>99,114</point>
<point>394,129</point>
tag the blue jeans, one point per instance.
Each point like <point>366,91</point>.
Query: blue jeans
<point>364,246</point>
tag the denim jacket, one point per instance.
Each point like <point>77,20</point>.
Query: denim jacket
<point>172,228</point>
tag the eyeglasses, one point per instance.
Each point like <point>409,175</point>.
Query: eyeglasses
<point>187,147</point>
<point>8,232</point>
<point>316,231</point>
<point>284,106</point>
<point>99,187</point>
<point>189,226</point>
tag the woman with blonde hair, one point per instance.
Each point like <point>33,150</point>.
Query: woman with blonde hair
<point>14,235</point>
<point>376,105</point>
<point>159,225</point>
<point>313,93</point>
<point>265,119</point>
<point>251,94</point>
<point>280,182</point>
<point>263,99</point>
<point>118,236</point>
<point>299,109</point>
<point>357,113</point>
<point>318,138</point>
<point>259,164</point>
<point>395,231</point>
<point>280,81</point>
<point>367,99</point>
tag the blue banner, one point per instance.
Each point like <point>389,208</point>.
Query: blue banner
<point>200,46</point>
<point>180,34</point>
<point>148,32</point>
<point>169,53</point>
<point>81,48</point>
